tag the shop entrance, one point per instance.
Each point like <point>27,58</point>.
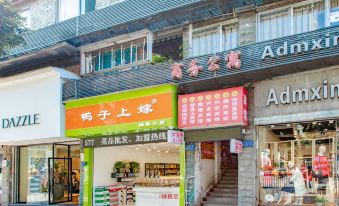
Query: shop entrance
<point>59,180</point>
<point>49,173</point>
<point>299,163</point>
<point>141,174</point>
<point>211,174</point>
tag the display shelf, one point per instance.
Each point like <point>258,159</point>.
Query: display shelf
<point>163,169</point>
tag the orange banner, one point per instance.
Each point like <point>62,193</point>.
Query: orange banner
<point>125,111</point>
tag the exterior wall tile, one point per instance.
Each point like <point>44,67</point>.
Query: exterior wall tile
<point>44,13</point>
<point>247,162</point>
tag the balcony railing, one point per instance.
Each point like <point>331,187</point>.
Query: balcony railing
<point>128,13</point>
<point>251,60</point>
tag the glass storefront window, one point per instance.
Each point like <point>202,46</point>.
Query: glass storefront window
<point>298,163</point>
<point>33,186</point>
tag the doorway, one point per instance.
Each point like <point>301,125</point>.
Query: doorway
<point>211,173</point>
<point>49,173</point>
<point>59,180</point>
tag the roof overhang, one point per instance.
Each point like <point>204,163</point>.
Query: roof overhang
<point>249,77</point>
<point>57,55</point>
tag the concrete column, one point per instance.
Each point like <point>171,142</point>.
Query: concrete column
<point>7,171</point>
<point>247,186</point>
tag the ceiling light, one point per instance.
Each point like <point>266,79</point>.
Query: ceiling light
<point>166,151</point>
<point>137,148</point>
<point>159,150</point>
<point>148,150</point>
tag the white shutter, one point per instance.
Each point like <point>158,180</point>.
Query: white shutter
<point>274,25</point>
<point>230,37</point>
<point>68,9</point>
<point>205,42</point>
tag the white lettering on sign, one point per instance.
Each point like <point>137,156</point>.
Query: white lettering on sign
<point>289,96</point>
<point>86,116</point>
<point>300,47</point>
<point>145,109</point>
<point>124,113</point>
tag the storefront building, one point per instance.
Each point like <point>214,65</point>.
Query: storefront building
<point>38,161</point>
<point>133,152</point>
<point>214,123</point>
<point>297,127</point>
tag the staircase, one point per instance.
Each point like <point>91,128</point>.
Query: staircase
<point>225,192</point>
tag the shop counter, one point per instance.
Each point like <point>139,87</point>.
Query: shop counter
<point>157,196</point>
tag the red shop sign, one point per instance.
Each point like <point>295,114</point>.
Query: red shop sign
<point>224,107</point>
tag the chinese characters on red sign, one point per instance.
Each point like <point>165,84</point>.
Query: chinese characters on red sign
<point>221,107</point>
<point>236,146</point>
<point>207,150</point>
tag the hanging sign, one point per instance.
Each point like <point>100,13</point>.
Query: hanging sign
<point>207,150</point>
<point>134,111</point>
<point>190,147</point>
<point>248,143</point>
<point>175,136</point>
<point>224,107</point>
<point>236,146</point>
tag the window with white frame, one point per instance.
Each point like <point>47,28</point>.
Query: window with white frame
<point>116,55</point>
<point>230,37</point>
<point>27,16</point>
<point>294,19</point>
<point>274,25</point>
<point>334,13</point>
<point>68,9</point>
<point>214,39</point>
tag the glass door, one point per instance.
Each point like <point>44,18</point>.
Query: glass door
<point>59,180</point>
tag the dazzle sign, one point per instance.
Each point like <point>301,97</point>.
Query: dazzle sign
<point>224,107</point>
<point>141,110</point>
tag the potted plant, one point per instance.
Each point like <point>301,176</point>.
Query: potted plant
<point>320,201</point>
<point>135,166</point>
<point>119,166</point>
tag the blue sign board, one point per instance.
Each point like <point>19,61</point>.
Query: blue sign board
<point>248,143</point>
<point>190,147</point>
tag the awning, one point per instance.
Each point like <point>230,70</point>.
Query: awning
<point>218,134</point>
<point>57,55</point>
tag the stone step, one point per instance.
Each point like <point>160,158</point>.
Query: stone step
<point>207,203</point>
<point>229,178</point>
<point>225,181</point>
<point>225,186</point>
<point>230,172</point>
<point>216,199</point>
<point>221,194</point>
<point>225,190</point>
